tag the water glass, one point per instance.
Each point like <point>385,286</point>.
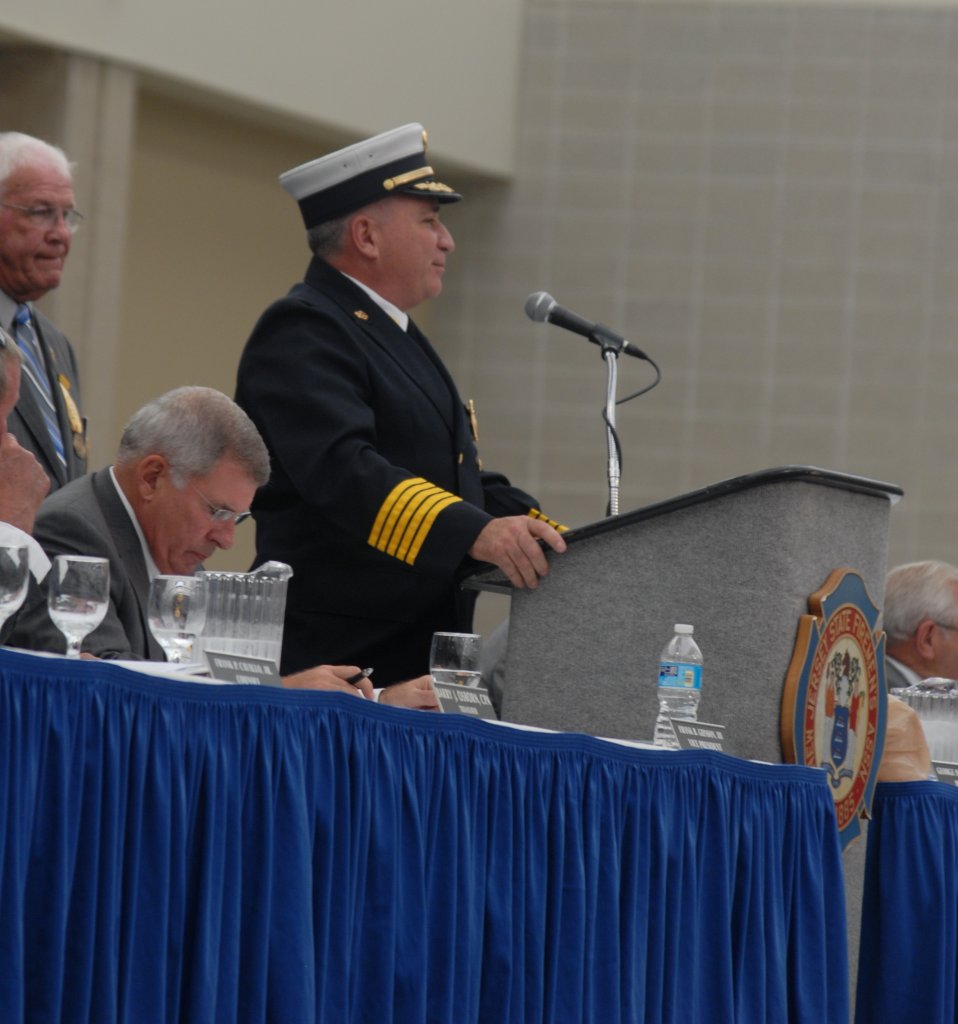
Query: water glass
<point>177,613</point>
<point>245,610</point>
<point>14,578</point>
<point>78,597</point>
<point>454,658</point>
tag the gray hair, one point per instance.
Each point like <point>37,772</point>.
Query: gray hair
<point>19,150</point>
<point>326,239</point>
<point>193,428</point>
<point>917,591</point>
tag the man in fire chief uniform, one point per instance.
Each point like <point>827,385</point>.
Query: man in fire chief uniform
<point>377,498</point>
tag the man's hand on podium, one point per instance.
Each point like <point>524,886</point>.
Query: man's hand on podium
<point>512,544</point>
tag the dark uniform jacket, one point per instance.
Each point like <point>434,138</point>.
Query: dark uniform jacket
<point>376,494</point>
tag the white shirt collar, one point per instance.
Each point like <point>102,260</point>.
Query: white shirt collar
<point>151,567</point>
<point>910,675</point>
<point>385,305</point>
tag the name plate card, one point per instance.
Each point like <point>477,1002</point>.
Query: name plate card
<point>946,771</point>
<point>464,700</point>
<point>233,668</point>
<point>698,735</point>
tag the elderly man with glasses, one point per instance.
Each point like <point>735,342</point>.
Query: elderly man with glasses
<point>37,221</point>
<point>920,619</point>
<point>188,465</point>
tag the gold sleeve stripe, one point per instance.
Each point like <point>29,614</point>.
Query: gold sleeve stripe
<point>425,522</point>
<point>405,526</point>
<point>391,509</point>
<point>406,517</point>
<point>534,513</point>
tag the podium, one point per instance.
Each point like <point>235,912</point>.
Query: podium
<point>737,559</point>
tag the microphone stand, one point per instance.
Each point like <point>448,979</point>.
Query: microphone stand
<point>611,347</point>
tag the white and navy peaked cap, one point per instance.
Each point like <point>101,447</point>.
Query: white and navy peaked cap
<point>388,164</point>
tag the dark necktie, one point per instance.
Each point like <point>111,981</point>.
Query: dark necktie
<point>35,371</point>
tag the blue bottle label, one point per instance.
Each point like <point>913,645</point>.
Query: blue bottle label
<point>681,675</point>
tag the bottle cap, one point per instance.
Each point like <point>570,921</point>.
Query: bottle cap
<point>683,627</point>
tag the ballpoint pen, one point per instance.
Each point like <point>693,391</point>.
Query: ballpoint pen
<point>365,674</point>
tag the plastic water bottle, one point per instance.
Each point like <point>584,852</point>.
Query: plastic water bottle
<point>680,684</point>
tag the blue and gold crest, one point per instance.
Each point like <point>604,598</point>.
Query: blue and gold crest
<point>834,704</point>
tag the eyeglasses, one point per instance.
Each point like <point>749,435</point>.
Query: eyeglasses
<point>222,515</point>
<point>49,216</point>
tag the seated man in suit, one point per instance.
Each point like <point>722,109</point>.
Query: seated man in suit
<point>920,619</point>
<point>187,468</point>
<point>23,484</point>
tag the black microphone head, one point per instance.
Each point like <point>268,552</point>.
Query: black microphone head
<point>538,306</point>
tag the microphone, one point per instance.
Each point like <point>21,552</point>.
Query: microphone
<point>543,308</point>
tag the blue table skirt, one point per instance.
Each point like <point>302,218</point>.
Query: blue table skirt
<point>172,851</point>
<point>908,955</point>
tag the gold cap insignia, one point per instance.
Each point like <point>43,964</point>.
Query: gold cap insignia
<point>361,314</point>
<point>404,179</point>
<point>431,186</point>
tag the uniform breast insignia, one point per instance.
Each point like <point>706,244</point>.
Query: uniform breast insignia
<point>473,420</point>
<point>834,704</point>
<point>473,429</point>
<point>73,415</point>
<point>360,314</point>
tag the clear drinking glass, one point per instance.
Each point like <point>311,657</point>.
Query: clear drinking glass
<point>454,658</point>
<point>78,597</point>
<point>177,614</point>
<point>14,578</point>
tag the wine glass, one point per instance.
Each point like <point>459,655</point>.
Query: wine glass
<point>14,578</point>
<point>78,597</point>
<point>177,614</point>
<point>454,658</point>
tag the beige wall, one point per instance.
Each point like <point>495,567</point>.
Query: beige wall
<point>356,68</point>
<point>212,240</point>
<point>765,198</point>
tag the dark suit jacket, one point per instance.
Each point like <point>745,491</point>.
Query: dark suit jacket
<point>86,517</point>
<point>26,421</point>
<point>371,453</point>
<point>894,677</point>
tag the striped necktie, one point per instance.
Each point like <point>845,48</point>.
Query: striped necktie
<point>35,371</point>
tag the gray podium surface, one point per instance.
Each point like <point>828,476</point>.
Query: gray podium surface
<point>738,560</point>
